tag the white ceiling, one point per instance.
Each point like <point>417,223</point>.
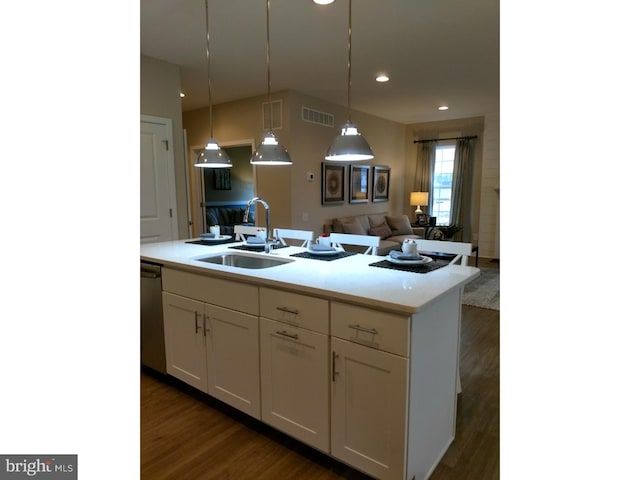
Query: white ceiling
<point>435,51</point>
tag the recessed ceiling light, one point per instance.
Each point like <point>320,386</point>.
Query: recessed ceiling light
<point>382,78</point>
<point>181,95</point>
<point>323,2</point>
<point>443,107</point>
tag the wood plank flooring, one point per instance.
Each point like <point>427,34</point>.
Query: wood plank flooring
<point>188,435</point>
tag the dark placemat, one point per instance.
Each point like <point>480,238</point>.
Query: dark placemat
<point>207,242</point>
<point>426,268</point>
<point>324,257</point>
<point>275,246</point>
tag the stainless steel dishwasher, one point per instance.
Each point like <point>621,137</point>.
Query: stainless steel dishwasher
<point>151,324</point>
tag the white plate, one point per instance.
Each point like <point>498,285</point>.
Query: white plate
<point>208,238</point>
<point>323,252</point>
<point>253,245</point>
<point>397,261</point>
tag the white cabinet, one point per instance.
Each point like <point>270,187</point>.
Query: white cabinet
<point>369,408</point>
<point>211,347</point>
<point>233,363</point>
<point>295,382</point>
<point>294,365</point>
<point>185,344</point>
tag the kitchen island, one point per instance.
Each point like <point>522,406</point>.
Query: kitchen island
<point>357,361</point>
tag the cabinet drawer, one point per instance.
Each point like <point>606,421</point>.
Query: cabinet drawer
<point>226,293</point>
<point>380,330</point>
<point>295,309</point>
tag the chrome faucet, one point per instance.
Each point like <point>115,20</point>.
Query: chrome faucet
<point>267,244</point>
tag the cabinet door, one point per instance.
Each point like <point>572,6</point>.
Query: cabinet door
<point>233,361</point>
<point>368,409</point>
<point>295,382</point>
<point>184,340</point>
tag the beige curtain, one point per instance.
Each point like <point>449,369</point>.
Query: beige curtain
<point>461,193</point>
<point>423,175</point>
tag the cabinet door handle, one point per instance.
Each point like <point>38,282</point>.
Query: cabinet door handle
<point>288,310</point>
<point>204,325</point>
<point>196,321</point>
<point>363,329</point>
<point>333,366</point>
<point>284,333</point>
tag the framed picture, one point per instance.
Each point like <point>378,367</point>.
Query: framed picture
<point>380,190</point>
<point>333,183</point>
<point>359,184</point>
<point>421,218</point>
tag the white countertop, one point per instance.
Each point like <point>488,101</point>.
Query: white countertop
<point>349,278</point>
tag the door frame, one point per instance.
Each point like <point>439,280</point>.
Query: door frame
<point>196,181</point>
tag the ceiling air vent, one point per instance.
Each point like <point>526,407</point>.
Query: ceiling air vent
<point>317,117</point>
<point>277,115</point>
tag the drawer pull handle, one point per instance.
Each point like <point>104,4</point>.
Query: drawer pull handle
<point>334,356</point>
<point>364,329</point>
<point>284,333</point>
<point>288,310</point>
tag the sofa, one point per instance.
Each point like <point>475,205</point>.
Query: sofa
<point>392,229</point>
<point>227,216</point>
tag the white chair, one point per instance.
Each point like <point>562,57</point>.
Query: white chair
<point>461,250</point>
<point>371,242</point>
<point>305,235</point>
<point>242,231</point>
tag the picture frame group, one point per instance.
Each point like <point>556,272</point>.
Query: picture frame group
<point>366,183</point>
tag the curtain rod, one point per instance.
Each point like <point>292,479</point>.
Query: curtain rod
<point>442,139</point>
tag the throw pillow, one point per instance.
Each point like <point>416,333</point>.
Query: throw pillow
<point>400,225</point>
<point>383,231</point>
<point>354,228</point>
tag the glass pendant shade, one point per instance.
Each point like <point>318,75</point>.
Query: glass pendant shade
<point>270,152</point>
<point>212,156</point>
<point>349,146</point>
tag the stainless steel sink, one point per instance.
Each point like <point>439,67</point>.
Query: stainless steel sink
<point>243,260</point>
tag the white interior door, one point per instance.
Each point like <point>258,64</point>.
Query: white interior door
<point>158,213</point>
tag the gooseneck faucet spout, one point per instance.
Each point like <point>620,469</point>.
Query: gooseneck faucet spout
<point>266,208</point>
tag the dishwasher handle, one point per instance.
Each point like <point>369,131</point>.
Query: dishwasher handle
<point>148,270</point>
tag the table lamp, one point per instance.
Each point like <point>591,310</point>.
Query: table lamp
<point>418,199</point>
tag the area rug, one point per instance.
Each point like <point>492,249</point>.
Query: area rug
<point>484,291</point>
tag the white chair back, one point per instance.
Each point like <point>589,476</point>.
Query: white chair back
<point>461,250</point>
<point>242,231</point>
<point>281,234</point>
<point>370,241</point>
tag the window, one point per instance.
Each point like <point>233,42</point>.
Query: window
<point>442,184</point>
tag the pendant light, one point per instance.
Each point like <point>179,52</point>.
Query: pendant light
<point>270,152</point>
<point>350,145</point>
<point>212,156</point>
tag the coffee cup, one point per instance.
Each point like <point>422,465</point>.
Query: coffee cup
<point>324,241</point>
<point>215,230</point>
<point>261,234</point>
<point>410,247</point>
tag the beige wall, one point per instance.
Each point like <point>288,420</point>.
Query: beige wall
<point>295,202</point>
<point>159,96</point>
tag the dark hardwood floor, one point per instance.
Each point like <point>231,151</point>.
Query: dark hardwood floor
<point>188,435</point>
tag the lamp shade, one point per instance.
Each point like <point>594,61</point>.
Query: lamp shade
<point>270,152</point>
<point>212,156</point>
<point>349,146</point>
<point>419,198</point>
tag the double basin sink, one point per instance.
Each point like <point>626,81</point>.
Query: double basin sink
<point>244,260</point>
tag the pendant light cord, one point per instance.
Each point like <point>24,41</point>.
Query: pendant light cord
<point>206,9</point>
<point>269,72</point>
<point>349,69</point>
